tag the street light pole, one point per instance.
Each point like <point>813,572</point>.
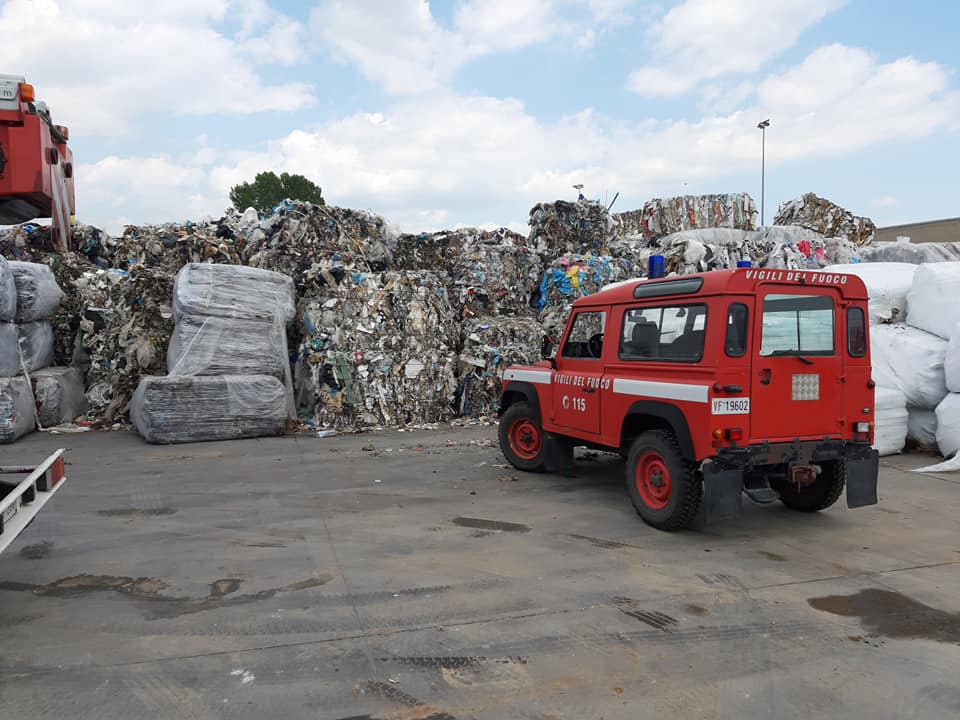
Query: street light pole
<point>763,162</point>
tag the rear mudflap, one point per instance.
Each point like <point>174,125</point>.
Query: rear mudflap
<point>722,487</point>
<point>862,471</point>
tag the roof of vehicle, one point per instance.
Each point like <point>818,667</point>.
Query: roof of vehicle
<point>742,281</point>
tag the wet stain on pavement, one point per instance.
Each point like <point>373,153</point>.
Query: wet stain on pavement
<point>38,551</point>
<point>224,586</point>
<point>776,557</point>
<point>941,695</point>
<point>78,585</point>
<point>893,615</point>
<point>136,512</point>
<point>698,610</point>
<point>481,524</point>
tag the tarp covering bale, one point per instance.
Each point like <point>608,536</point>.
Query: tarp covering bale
<point>8,292</point>
<point>227,346</point>
<point>59,395</point>
<point>180,409</point>
<point>948,424</point>
<point>934,299</point>
<point>922,427</point>
<point>911,361</point>
<point>887,286</point>
<point>38,295</point>
<point>951,364</point>
<point>236,291</point>
<point>17,414</point>
<point>827,218</point>
<point>890,429</point>
<point>34,341</point>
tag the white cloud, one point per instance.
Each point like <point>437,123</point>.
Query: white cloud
<point>713,39</point>
<point>886,201</point>
<point>446,160</point>
<point>100,64</point>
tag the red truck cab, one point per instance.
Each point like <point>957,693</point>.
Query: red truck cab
<point>753,381</point>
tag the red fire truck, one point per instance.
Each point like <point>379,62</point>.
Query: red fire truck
<point>36,165</point>
<point>714,385</point>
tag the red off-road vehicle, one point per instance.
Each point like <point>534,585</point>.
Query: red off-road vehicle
<point>711,385</point>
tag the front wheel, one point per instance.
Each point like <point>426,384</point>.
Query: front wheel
<point>662,485</point>
<point>521,438</point>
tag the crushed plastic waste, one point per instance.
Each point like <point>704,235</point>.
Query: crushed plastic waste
<point>824,217</point>
<point>571,227</point>
<point>664,216</point>
<point>59,396</point>
<point>38,295</point>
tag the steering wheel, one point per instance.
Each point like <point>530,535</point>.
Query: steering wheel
<point>595,345</point>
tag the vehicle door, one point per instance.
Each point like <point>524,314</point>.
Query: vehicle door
<point>797,366</point>
<point>576,383</point>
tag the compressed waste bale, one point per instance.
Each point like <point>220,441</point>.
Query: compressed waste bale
<point>38,295</point>
<point>887,287</point>
<point>227,346</point>
<point>922,426</point>
<point>570,277</point>
<point>494,273</point>
<point>827,218</point>
<point>33,341</point>
<point>490,345</point>
<point>911,361</point>
<point>902,250</point>
<point>571,227</point>
<point>180,409</point>
<point>59,395</point>
<point>951,363</point>
<point>663,216</point>
<point>17,414</point>
<point>233,291</point>
<point>948,425</point>
<point>8,292</point>
<point>890,428</point>
<point>932,301</point>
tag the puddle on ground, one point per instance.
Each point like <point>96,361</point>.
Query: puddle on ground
<point>893,615</point>
<point>36,552</point>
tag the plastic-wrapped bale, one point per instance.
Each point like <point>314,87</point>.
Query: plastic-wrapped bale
<point>490,345</point>
<point>932,303</point>
<point>663,216</point>
<point>59,395</point>
<point>911,361</point>
<point>8,292</point>
<point>227,346</point>
<point>904,251</point>
<point>38,295</point>
<point>948,425</point>
<point>17,413</point>
<point>233,291</point>
<point>951,363</point>
<point>887,286</point>
<point>181,409</point>
<point>826,218</point>
<point>571,227</point>
<point>890,425</point>
<point>922,427</point>
<point>33,341</point>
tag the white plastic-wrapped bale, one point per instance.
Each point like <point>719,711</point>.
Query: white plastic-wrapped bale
<point>890,425</point>
<point>17,414</point>
<point>59,395</point>
<point>233,291</point>
<point>922,426</point>
<point>33,341</point>
<point>951,365</point>
<point>887,284</point>
<point>932,301</point>
<point>182,409</point>
<point>948,425</point>
<point>38,295</point>
<point>911,361</point>
<point>8,292</point>
<point>227,346</point>
<point>908,252</point>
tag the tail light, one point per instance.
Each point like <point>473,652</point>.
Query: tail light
<point>733,433</point>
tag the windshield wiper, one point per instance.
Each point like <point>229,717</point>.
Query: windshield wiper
<point>784,353</point>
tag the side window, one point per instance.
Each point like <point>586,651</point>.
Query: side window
<point>586,336</point>
<point>856,332</point>
<point>675,333</point>
<point>735,339</point>
<point>797,325</point>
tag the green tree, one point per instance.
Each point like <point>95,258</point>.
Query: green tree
<point>268,189</point>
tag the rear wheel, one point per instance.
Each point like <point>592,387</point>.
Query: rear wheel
<point>662,485</point>
<point>521,438</point>
<point>819,495</point>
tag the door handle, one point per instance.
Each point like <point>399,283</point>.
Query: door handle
<point>765,376</point>
<point>589,390</point>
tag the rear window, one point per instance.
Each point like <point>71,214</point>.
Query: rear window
<point>856,332</point>
<point>672,333</point>
<point>797,325</point>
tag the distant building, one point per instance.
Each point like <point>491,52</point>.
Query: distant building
<point>922,232</point>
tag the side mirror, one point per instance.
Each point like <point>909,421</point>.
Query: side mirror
<point>546,351</point>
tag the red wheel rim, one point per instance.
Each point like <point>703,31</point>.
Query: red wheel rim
<point>525,439</point>
<point>653,481</point>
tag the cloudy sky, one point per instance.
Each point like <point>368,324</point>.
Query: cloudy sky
<point>466,112</point>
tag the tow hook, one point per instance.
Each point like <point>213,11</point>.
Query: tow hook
<point>802,475</point>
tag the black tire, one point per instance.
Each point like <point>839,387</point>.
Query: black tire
<point>655,457</point>
<point>821,494</point>
<point>522,438</point>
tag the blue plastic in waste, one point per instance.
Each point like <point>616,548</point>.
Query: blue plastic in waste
<point>744,263</point>
<point>655,267</point>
